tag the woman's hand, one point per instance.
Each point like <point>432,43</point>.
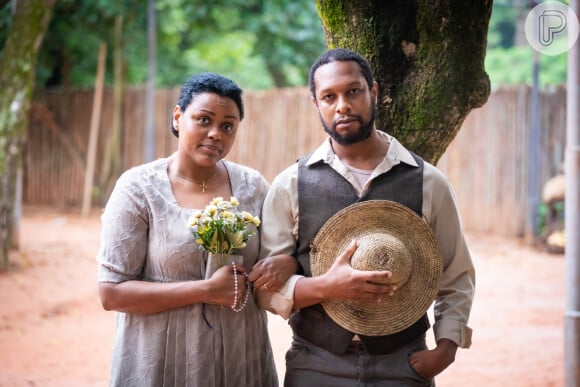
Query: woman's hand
<point>221,285</point>
<point>271,273</point>
<point>145,297</point>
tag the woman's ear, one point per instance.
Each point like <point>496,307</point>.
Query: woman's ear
<point>177,113</point>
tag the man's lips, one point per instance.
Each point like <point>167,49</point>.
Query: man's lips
<point>343,122</point>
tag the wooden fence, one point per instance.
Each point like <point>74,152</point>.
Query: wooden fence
<point>487,163</point>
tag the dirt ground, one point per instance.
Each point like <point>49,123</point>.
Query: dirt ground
<point>53,331</point>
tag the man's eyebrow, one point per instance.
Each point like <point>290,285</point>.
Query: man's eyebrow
<point>349,85</point>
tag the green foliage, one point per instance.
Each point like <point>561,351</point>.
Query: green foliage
<point>542,226</point>
<point>290,37</point>
<point>515,65</point>
<point>508,63</point>
<point>502,25</point>
<point>228,54</point>
<point>5,22</point>
<point>69,54</point>
<point>259,44</point>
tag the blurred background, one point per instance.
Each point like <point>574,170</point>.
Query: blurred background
<point>503,155</point>
<point>106,79</point>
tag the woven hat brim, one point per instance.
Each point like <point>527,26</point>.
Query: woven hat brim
<point>412,299</point>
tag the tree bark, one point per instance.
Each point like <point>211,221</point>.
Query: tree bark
<point>17,71</point>
<point>428,58</point>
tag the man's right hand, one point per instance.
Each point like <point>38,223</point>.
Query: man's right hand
<point>343,282</point>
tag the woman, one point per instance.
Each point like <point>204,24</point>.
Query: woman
<point>175,327</point>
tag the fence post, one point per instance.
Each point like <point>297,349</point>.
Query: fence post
<point>534,155</point>
<point>572,217</point>
<point>94,133</point>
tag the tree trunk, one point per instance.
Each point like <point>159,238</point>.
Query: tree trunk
<point>17,71</point>
<point>428,58</point>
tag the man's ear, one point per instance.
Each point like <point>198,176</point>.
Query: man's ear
<point>375,91</point>
<point>315,103</point>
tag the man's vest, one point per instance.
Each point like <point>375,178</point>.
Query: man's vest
<point>322,192</point>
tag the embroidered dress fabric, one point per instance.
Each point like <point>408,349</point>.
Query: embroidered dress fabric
<point>145,237</point>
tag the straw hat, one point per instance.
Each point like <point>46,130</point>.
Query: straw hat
<point>390,237</point>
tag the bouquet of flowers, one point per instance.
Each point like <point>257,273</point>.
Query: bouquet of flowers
<point>220,229</point>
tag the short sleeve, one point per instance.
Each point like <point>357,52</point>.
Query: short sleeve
<point>124,231</point>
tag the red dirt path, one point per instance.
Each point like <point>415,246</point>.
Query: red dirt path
<point>53,331</point>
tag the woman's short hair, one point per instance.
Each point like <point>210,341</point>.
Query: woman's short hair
<point>208,82</point>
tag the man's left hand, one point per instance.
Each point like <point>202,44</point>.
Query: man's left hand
<point>431,362</point>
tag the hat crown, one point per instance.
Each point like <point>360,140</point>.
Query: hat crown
<point>390,237</point>
<point>380,251</point>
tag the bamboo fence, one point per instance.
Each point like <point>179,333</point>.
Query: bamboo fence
<point>488,162</point>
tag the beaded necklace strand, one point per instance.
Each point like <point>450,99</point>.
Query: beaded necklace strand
<point>235,306</point>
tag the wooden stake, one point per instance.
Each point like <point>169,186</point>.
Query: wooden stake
<point>94,131</point>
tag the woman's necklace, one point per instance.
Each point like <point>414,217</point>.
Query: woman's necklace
<point>202,183</point>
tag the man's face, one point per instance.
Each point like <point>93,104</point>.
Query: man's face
<point>344,101</point>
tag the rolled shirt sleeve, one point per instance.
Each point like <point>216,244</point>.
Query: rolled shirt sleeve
<point>279,233</point>
<point>456,291</point>
<point>279,225</point>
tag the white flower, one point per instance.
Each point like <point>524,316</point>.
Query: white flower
<point>219,228</point>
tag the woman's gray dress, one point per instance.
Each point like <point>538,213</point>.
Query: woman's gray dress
<point>145,237</point>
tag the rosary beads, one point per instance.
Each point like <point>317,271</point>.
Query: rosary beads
<point>234,306</point>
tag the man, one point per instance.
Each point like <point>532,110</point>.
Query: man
<point>358,163</point>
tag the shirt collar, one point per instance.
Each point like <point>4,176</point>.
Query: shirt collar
<point>396,154</point>
<point>323,153</point>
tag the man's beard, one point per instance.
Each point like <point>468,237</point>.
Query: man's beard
<point>352,138</point>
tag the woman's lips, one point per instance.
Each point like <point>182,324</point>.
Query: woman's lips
<point>211,149</point>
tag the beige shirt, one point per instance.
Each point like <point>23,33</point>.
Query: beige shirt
<point>440,211</point>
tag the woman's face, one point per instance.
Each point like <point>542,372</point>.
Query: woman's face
<point>207,128</point>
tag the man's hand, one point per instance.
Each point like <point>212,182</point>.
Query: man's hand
<point>271,273</point>
<point>346,283</point>
<point>342,282</point>
<point>430,363</point>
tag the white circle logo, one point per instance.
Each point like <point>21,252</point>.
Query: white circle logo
<point>552,28</point>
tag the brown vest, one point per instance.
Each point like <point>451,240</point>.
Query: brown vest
<point>321,193</point>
